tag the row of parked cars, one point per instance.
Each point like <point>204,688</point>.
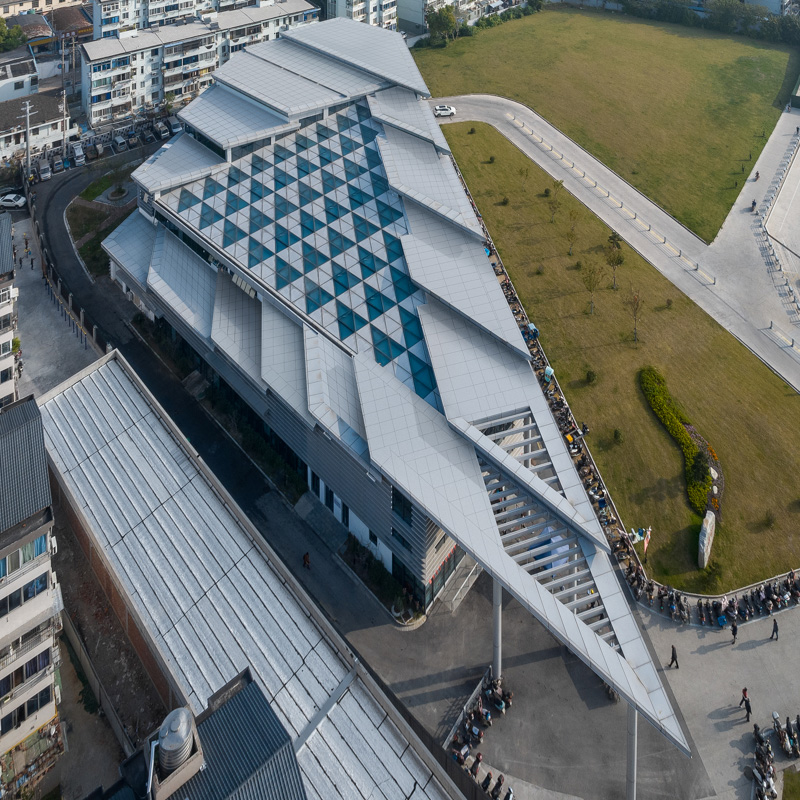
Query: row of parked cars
<point>80,153</point>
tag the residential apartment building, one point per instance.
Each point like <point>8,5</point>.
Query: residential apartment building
<point>30,603</point>
<point>136,71</point>
<point>8,315</point>
<point>49,126</point>
<point>19,76</point>
<point>381,13</point>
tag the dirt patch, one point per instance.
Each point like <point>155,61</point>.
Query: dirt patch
<point>120,671</point>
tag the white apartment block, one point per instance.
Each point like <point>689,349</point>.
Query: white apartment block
<point>381,13</point>
<point>8,315</point>
<point>30,603</point>
<point>49,127</point>
<point>135,72</point>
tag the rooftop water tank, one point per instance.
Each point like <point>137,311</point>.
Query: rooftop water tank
<point>175,740</point>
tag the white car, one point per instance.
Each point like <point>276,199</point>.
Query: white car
<point>12,201</point>
<point>444,111</point>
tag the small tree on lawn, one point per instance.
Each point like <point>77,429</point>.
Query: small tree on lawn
<point>592,276</point>
<point>557,187</point>
<point>615,241</point>
<point>524,174</point>
<point>572,232</point>
<point>614,258</point>
<point>553,204</point>
<point>635,306</point>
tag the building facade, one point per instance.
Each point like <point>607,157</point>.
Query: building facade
<point>381,13</point>
<point>49,127</point>
<point>30,603</point>
<point>19,76</point>
<point>133,71</point>
<point>9,343</point>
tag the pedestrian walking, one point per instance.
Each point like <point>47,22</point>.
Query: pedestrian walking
<point>747,709</point>
<point>734,631</point>
<point>744,697</point>
<point>674,658</point>
<point>774,630</point>
<point>307,561</point>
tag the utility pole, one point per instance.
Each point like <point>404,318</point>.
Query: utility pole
<point>28,112</point>
<point>64,124</point>
<point>63,77</point>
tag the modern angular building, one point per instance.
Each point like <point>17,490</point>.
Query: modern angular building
<point>30,603</point>
<point>310,239</point>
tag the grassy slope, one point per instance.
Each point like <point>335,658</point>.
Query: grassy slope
<point>741,408</point>
<point>673,110</point>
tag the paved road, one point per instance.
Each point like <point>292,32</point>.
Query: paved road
<point>745,297</point>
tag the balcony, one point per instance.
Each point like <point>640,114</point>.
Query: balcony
<point>47,633</point>
<point>30,615</point>
<point>24,688</point>
<point>7,278</point>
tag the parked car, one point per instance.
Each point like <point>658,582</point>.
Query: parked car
<point>12,201</point>
<point>174,125</point>
<point>161,130</point>
<point>444,111</point>
<point>58,165</point>
<point>148,135</point>
<point>133,141</point>
<point>44,170</point>
<point>78,154</point>
<point>119,144</point>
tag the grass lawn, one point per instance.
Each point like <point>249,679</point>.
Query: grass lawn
<point>791,785</point>
<point>748,415</point>
<point>674,110</point>
<point>93,255</point>
<point>83,220</point>
<point>95,189</point>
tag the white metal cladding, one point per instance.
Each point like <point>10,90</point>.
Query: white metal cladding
<point>212,603</point>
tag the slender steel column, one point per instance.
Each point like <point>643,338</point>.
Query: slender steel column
<point>497,656</point>
<point>632,735</point>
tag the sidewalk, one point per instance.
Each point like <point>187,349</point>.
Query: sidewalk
<point>743,299</point>
<point>51,351</point>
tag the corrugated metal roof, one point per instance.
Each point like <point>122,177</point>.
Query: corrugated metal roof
<point>6,250</point>
<point>248,753</point>
<point>23,464</point>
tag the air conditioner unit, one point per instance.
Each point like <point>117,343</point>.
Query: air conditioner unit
<point>53,545</point>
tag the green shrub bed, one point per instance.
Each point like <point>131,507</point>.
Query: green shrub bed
<point>672,417</point>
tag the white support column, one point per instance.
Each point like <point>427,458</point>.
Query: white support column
<point>497,656</point>
<point>630,780</point>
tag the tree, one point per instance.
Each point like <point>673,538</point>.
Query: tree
<point>524,174</point>
<point>592,276</point>
<point>635,306</point>
<point>442,22</point>
<point>11,38</point>
<point>169,101</point>
<point>614,258</point>
<point>572,232</point>
<point>615,240</point>
<point>553,204</point>
<point>557,187</point>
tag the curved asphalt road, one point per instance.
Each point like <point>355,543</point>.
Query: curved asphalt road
<point>744,299</point>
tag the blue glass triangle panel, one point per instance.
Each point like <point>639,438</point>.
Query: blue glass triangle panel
<point>364,228</point>
<point>394,249</point>
<point>312,258</point>
<point>333,210</point>
<point>256,253</point>
<point>258,191</point>
<point>310,224</point>
<point>284,273</point>
<point>284,238</point>
<point>302,143</point>
<point>257,165</point>
<point>323,133</point>
<point>231,234</point>
<point>326,156</point>
<point>342,279</point>
<point>377,303</point>
<point>234,203</point>
<point>368,133</point>
<point>235,175</point>
<point>283,207</point>
<point>281,153</point>
<point>208,216</point>
<point>373,157</point>
<point>353,170</point>
<point>258,220</point>
<point>210,188</point>
<point>186,200</point>
<point>357,197</point>
<point>386,348</point>
<point>424,380</point>
<point>338,243</point>
<point>370,263</point>
<point>283,178</point>
<point>412,330</point>
<point>403,287</point>
<point>330,181</point>
<point>307,194</point>
<point>387,213</point>
<point>316,296</point>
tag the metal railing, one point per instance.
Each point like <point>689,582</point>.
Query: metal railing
<point>50,630</point>
<point>467,707</point>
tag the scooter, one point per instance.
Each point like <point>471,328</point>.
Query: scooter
<point>701,614</point>
<point>760,737</point>
<point>495,699</point>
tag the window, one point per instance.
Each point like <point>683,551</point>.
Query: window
<point>37,664</point>
<point>34,587</point>
<point>14,600</point>
<point>5,685</point>
<point>13,562</point>
<point>315,483</point>
<point>38,701</point>
<point>401,505</point>
<point>19,85</point>
<point>373,538</point>
<point>329,498</point>
<point>345,515</point>
<point>5,348</point>
<point>402,539</point>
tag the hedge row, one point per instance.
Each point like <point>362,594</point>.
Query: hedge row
<point>698,477</point>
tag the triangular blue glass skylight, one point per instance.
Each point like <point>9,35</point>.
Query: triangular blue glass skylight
<point>234,203</point>
<point>370,263</point>
<point>326,156</point>
<point>402,284</point>
<point>368,133</point>
<point>310,224</point>
<point>364,228</point>
<point>316,296</point>
<point>342,279</point>
<point>258,220</point>
<point>281,153</point>
<point>256,253</point>
<point>231,234</point>
<point>307,194</point>
<point>210,188</point>
<point>186,200</point>
<point>258,191</point>
<point>257,165</point>
<point>386,348</point>
<point>283,178</point>
<point>338,243</point>
<point>424,380</point>
<point>353,170</point>
<point>377,303</point>
<point>235,176</point>
<point>357,197</point>
<point>394,249</point>
<point>284,238</point>
<point>305,167</point>
<point>323,133</point>
<point>333,210</point>
<point>348,145</point>
<point>349,321</point>
<point>208,216</point>
<point>283,207</point>
<point>302,142</point>
<point>363,112</point>
<point>412,330</point>
<point>330,181</point>
<point>379,184</point>
<point>285,273</point>
<point>373,157</point>
<point>387,213</point>
<point>312,258</point>
<point>344,123</point>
